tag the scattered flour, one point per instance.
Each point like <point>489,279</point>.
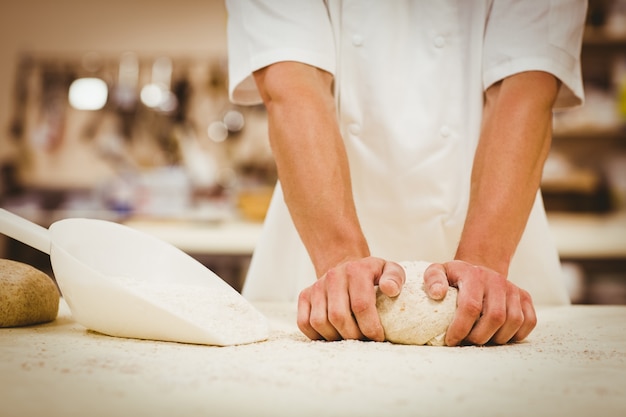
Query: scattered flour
<point>220,311</point>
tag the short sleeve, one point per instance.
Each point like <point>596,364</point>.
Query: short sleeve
<point>263,32</point>
<point>536,35</point>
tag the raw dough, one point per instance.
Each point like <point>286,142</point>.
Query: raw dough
<point>412,317</point>
<point>27,295</point>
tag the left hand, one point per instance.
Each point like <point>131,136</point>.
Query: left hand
<point>342,303</point>
<point>490,309</point>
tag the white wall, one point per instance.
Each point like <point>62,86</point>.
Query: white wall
<point>173,27</point>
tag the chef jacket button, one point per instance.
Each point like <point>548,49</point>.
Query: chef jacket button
<point>439,41</point>
<point>354,129</point>
<point>445,131</point>
<point>357,40</point>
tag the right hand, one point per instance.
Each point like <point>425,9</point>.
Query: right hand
<point>490,309</point>
<point>342,303</point>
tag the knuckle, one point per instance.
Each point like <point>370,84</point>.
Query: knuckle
<point>498,341</point>
<point>359,305</point>
<point>304,296</point>
<point>315,288</point>
<point>306,328</point>
<point>370,332</point>
<point>516,319</point>
<point>336,318</point>
<point>331,276</point>
<point>303,324</point>
<point>317,321</point>
<point>497,317</point>
<point>471,307</point>
<point>474,340</point>
<point>525,296</point>
<point>354,270</point>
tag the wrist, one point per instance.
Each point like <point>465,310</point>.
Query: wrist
<point>329,256</point>
<point>487,258</point>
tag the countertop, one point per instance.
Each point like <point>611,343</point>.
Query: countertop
<point>585,236</point>
<point>232,237</point>
<point>573,364</point>
<point>577,235</point>
<point>589,236</point>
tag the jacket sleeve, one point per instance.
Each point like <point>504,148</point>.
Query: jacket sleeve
<point>263,32</point>
<point>536,35</point>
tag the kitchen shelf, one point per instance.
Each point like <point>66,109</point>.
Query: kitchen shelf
<point>595,38</point>
<point>592,138</point>
<point>608,134</point>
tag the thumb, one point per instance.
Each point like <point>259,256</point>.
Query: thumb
<point>436,281</point>
<point>391,279</point>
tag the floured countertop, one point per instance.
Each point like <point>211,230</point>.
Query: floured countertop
<point>574,364</point>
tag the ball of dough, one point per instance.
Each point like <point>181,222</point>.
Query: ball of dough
<point>412,317</point>
<point>27,295</point>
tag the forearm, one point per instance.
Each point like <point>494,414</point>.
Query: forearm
<point>515,141</point>
<point>311,161</point>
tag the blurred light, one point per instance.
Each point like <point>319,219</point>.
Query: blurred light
<point>169,102</point>
<point>234,121</point>
<point>152,95</point>
<point>162,71</point>
<point>157,97</point>
<point>157,94</point>
<point>125,93</point>
<point>88,94</point>
<point>128,69</point>
<point>218,132</point>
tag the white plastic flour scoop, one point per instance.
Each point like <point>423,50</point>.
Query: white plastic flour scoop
<point>121,282</point>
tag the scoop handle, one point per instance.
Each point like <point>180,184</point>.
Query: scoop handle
<point>25,231</point>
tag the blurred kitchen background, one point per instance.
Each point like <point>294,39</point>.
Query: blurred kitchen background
<point>118,110</point>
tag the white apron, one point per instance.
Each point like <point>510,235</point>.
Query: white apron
<point>409,78</point>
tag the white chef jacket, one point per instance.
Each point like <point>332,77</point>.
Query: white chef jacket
<point>409,84</point>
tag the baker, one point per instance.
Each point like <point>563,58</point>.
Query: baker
<point>407,130</point>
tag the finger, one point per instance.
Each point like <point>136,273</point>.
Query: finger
<point>436,281</point>
<point>456,271</point>
<point>392,279</point>
<point>469,304</point>
<point>339,310</point>
<point>362,293</point>
<point>530,317</point>
<point>304,313</point>
<point>494,314</point>
<point>318,318</point>
<point>514,319</point>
